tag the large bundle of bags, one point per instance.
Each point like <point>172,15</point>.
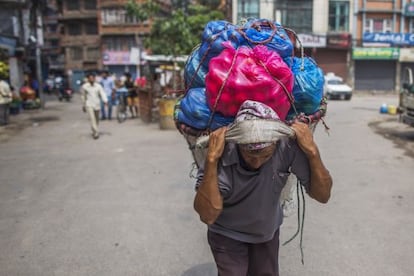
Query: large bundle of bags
<point>253,61</point>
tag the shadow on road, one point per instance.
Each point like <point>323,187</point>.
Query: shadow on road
<point>400,134</point>
<point>207,269</point>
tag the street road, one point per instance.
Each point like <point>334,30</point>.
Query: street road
<point>122,205</point>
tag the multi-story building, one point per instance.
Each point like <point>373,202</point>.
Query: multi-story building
<point>14,36</point>
<point>80,38</point>
<point>121,37</point>
<point>384,43</point>
<point>52,53</point>
<point>323,27</point>
<point>367,42</point>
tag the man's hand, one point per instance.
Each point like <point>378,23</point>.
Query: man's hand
<point>84,109</point>
<point>216,144</point>
<point>304,137</point>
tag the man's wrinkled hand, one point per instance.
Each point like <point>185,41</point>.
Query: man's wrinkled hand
<point>304,137</point>
<point>216,144</point>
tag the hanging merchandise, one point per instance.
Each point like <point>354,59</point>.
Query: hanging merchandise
<point>258,74</point>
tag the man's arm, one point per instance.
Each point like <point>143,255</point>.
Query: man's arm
<point>102,94</point>
<point>321,180</point>
<point>83,97</point>
<point>208,201</point>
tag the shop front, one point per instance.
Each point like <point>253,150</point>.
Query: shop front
<point>375,68</point>
<point>120,62</point>
<point>330,51</point>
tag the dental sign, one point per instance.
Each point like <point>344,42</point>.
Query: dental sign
<point>393,39</point>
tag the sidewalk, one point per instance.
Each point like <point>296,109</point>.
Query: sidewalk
<point>33,117</point>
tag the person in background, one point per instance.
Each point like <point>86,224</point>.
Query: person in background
<point>92,95</point>
<point>5,100</point>
<point>132,95</point>
<point>108,85</point>
<point>238,192</point>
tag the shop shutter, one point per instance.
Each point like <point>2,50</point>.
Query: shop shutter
<point>375,75</point>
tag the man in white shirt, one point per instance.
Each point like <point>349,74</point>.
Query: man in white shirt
<point>92,93</point>
<point>5,99</point>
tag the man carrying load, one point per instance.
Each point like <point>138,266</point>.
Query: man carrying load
<point>239,186</point>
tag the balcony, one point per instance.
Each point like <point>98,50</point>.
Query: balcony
<point>75,15</point>
<point>112,3</point>
<point>13,3</point>
<point>77,40</point>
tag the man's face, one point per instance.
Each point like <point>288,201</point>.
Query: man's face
<point>91,78</point>
<point>256,158</point>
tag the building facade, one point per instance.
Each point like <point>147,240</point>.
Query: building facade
<point>384,43</point>
<point>52,53</point>
<point>323,27</point>
<point>14,39</point>
<point>80,38</point>
<point>121,37</point>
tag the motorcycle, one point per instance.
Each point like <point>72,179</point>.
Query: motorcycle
<point>63,91</point>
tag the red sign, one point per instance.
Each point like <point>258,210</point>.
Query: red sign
<point>338,41</point>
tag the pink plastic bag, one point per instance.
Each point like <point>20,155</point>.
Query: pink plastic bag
<point>243,74</point>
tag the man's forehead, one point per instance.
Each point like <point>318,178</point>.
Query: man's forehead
<point>258,152</point>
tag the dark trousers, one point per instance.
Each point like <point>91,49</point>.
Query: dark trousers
<point>236,258</point>
<point>4,114</point>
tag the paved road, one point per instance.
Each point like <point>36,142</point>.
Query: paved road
<point>122,205</point>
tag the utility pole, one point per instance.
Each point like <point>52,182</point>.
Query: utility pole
<point>39,40</point>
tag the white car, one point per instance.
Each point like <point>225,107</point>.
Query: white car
<point>335,88</point>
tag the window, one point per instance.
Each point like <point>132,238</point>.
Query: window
<point>411,25</point>
<point>119,43</point>
<point>338,16</point>
<point>74,29</point>
<point>117,17</point>
<point>92,53</point>
<point>72,5</point>
<point>76,53</point>
<point>91,28</point>
<point>378,25</point>
<point>52,28</point>
<point>90,5</point>
<point>296,14</point>
<point>248,8</point>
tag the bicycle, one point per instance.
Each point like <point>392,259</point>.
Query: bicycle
<point>121,109</point>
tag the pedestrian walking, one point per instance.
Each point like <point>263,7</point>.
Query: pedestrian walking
<point>92,95</point>
<point>238,191</point>
<point>108,85</point>
<point>5,100</point>
<point>132,95</point>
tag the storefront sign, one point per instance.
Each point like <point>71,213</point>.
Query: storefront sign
<point>9,44</point>
<point>406,55</point>
<point>409,9</point>
<point>312,41</point>
<point>116,58</point>
<point>392,39</point>
<point>376,53</point>
<point>338,41</point>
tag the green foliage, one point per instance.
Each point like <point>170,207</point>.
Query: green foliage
<point>142,11</point>
<point>181,31</point>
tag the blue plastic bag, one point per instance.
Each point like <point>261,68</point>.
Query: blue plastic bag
<point>195,112</point>
<point>192,76</point>
<point>214,34</point>
<point>259,31</point>
<point>308,86</point>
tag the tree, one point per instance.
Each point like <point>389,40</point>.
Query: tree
<point>180,31</point>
